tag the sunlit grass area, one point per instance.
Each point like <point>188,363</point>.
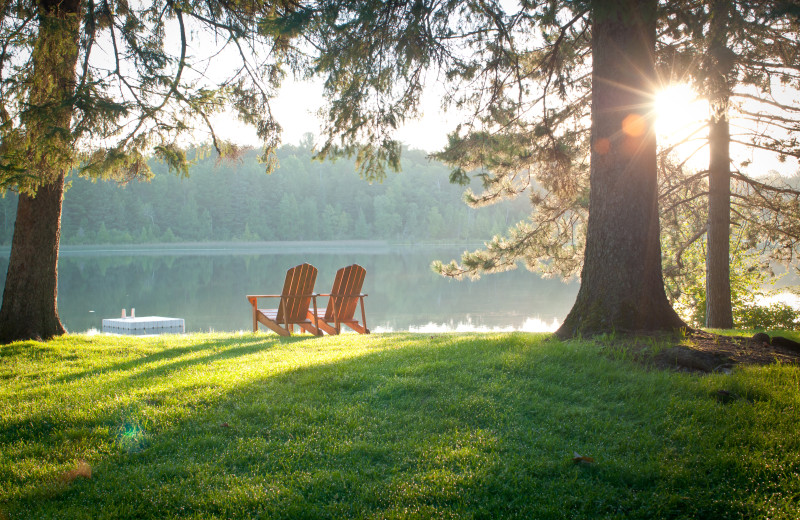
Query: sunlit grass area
<point>386,426</point>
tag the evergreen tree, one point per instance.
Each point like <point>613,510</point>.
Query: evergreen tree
<point>103,236</point>
<point>288,216</point>
<point>506,81</point>
<point>741,56</point>
<point>362,228</point>
<point>621,281</point>
<point>308,227</point>
<point>437,228</point>
<point>719,310</point>
<point>387,221</point>
<point>36,156</point>
<point>530,106</point>
<point>343,224</point>
<point>329,223</point>
<point>80,75</point>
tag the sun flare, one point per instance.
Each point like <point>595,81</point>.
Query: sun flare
<point>679,112</point>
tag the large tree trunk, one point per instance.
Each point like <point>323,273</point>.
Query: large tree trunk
<point>622,288</point>
<point>29,300</point>
<point>29,309</point>
<point>719,311</point>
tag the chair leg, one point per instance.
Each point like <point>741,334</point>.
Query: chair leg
<point>275,327</point>
<point>289,328</point>
<point>323,326</point>
<point>363,316</point>
<point>317,330</point>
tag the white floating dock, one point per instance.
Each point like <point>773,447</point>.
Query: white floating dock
<point>144,325</point>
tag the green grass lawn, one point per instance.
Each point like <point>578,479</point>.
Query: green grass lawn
<point>386,426</point>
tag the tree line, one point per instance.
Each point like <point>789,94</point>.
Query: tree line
<point>302,200</point>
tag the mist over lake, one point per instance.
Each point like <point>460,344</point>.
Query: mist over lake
<point>206,285</point>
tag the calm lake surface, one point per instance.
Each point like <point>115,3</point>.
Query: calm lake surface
<point>206,285</point>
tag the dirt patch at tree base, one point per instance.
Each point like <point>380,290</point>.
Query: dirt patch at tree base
<point>704,352</point>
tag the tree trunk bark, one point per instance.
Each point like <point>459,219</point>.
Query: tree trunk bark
<point>29,309</point>
<point>29,300</point>
<point>719,310</point>
<point>622,288</point>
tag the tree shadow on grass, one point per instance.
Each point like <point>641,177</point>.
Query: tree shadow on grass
<point>459,428</point>
<point>31,428</point>
<point>243,344</point>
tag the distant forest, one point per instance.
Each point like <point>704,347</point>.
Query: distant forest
<point>302,200</point>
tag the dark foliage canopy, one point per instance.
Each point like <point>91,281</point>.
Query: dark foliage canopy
<point>148,75</point>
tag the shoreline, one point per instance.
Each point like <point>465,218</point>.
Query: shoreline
<point>236,247</point>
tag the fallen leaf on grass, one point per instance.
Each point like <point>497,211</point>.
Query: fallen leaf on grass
<point>82,470</point>
<point>580,459</point>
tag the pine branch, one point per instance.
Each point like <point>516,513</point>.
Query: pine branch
<point>771,102</point>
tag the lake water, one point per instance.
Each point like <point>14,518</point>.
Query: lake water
<point>206,285</point>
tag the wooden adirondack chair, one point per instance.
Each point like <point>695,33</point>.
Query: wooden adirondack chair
<point>342,301</point>
<point>297,294</point>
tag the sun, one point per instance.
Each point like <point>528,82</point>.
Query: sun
<point>679,112</point>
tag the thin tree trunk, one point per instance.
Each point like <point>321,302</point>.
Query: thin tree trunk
<point>29,309</point>
<point>719,311</point>
<point>622,288</point>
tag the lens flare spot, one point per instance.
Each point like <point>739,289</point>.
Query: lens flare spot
<point>634,125</point>
<point>602,146</point>
<point>131,438</point>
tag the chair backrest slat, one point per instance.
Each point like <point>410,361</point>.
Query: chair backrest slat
<point>346,288</point>
<point>297,288</point>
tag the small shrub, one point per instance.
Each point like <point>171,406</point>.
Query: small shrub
<point>750,277</point>
<point>774,316</point>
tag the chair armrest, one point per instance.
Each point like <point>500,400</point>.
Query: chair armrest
<point>253,298</point>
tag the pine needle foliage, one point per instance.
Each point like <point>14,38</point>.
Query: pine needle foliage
<point>142,84</point>
<point>520,75</point>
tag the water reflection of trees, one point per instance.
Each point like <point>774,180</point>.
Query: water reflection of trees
<point>208,290</point>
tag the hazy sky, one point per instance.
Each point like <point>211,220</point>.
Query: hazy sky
<point>296,107</point>
<point>678,114</point>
